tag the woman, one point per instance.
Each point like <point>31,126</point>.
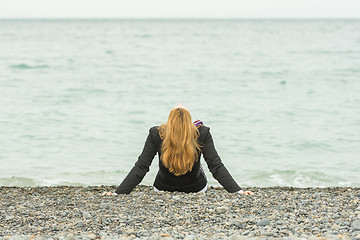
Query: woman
<point>179,144</point>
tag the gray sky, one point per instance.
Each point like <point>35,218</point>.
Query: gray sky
<point>179,8</point>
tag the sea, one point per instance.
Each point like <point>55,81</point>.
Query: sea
<point>281,97</point>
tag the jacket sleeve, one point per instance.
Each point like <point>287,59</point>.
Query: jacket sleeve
<point>141,167</point>
<point>216,167</point>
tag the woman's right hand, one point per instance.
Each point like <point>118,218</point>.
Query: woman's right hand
<point>109,194</point>
<point>245,192</point>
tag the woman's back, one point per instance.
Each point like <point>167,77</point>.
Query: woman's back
<point>180,147</point>
<point>192,181</point>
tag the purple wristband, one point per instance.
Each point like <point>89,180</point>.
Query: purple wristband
<point>198,123</point>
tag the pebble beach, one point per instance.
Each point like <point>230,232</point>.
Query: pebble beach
<point>73,212</point>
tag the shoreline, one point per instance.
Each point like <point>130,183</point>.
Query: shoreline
<point>77,212</point>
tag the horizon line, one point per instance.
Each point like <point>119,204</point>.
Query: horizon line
<point>179,18</point>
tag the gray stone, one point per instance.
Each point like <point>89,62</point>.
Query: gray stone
<point>335,227</point>
<point>177,198</point>
<point>130,232</point>
<point>357,237</point>
<point>91,236</point>
<point>80,224</point>
<point>263,222</point>
<point>159,201</point>
<point>235,237</point>
<point>239,225</point>
<point>221,209</point>
<point>9,217</point>
<point>86,214</point>
<point>345,223</point>
<point>355,225</point>
<point>190,237</point>
<point>104,220</point>
<point>104,206</point>
<point>267,234</point>
<point>331,236</point>
<point>70,237</point>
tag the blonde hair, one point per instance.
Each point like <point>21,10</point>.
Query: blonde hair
<point>179,149</point>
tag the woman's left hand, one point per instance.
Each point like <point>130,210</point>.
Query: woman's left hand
<point>109,194</point>
<point>246,192</point>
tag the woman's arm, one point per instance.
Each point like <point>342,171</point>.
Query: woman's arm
<point>141,167</point>
<point>216,167</point>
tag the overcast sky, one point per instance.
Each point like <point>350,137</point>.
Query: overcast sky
<point>179,8</point>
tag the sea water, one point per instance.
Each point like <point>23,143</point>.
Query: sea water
<point>282,97</point>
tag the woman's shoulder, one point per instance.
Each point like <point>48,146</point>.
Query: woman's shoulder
<point>203,130</point>
<point>154,130</point>
<point>154,134</point>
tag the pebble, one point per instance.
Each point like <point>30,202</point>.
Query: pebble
<point>91,236</point>
<point>263,222</point>
<point>177,198</point>
<point>268,234</point>
<point>70,237</point>
<point>80,224</point>
<point>69,213</point>
<point>356,225</point>
<point>8,217</point>
<point>86,214</point>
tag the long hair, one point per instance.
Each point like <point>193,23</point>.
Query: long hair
<point>179,149</point>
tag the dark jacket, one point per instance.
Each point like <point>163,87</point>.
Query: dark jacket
<point>192,181</point>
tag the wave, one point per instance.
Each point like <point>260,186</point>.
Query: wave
<point>311,145</point>
<point>351,70</point>
<point>26,66</point>
<point>143,36</point>
<point>326,52</point>
<point>83,90</point>
<point>18,182</point>
<point>33,182</point>
<point>85,178</point>
<point>252,178</point>
<point>296,178</point>
<point>274,73</point>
